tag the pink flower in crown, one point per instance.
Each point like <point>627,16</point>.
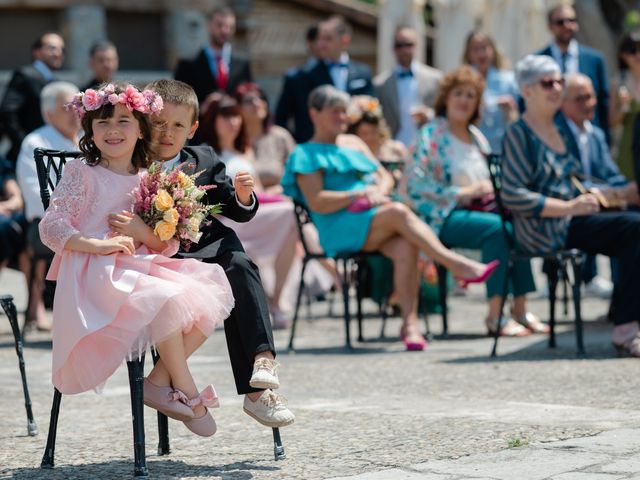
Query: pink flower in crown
<point>133,99</point>
<point>92,99</point>
<point>113,98</point>
<point>109,89</point>
<point>154,101</point>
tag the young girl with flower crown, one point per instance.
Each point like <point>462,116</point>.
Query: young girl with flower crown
<point>117,289</point>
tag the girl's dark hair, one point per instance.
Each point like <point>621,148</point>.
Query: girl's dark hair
<point>142,152</point>
<point>249,88</point>
<point>220,104</point>
<point>629,43</point>
<point>460,76</point>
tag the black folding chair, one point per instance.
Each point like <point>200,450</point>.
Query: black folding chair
<point>556,268</point>
<point>49,165</point>
<point>6,301</point>
<point>352,271</point>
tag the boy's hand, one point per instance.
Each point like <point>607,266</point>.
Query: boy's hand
<point>129,224</point>
<point>244,187</point>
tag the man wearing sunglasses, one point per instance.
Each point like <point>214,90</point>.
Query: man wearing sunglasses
<point>574,57</point>
<point>407,91</point>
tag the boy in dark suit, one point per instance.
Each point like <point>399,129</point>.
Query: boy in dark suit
<point>248,329</point>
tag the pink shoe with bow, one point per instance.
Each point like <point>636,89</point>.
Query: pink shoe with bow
<point>205,425</point>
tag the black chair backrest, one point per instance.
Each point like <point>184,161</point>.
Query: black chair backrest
<point>303,217</point>
<point>495,173</point>
<point>49,165</point>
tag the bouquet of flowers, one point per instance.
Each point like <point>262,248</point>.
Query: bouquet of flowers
<point>170,203</point>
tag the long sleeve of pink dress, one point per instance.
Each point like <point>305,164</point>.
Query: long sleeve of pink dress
<point>109,307</point>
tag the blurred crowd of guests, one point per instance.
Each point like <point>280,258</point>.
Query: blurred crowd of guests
<point>421,138</point>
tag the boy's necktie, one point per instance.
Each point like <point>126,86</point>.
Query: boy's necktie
<point>223,76</point>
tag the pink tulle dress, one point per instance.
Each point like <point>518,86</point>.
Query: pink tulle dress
<point>109,307</point>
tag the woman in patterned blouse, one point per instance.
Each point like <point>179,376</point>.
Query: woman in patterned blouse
<point>549,213</point>
<point>448,185</point>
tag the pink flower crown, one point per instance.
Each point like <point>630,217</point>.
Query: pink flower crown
<point>146,102</point>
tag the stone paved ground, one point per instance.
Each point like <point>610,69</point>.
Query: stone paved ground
<point>377,413</point>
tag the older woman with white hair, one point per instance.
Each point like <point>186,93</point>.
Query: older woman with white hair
<point>60,132</point>
<point>549,212</point>
<point>348,195</point>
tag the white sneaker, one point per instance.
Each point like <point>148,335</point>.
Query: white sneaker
<point>265,374</point>
<point>269,410</point>
<point>598,287</point>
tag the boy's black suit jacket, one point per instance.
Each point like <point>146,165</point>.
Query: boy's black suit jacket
<point>216,237</point>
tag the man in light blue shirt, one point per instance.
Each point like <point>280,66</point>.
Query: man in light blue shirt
<point>407,91</point>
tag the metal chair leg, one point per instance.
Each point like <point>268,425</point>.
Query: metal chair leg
<point>576,263</point>
<point>345,298</point>
<point>505,292</point>
<point>278,449</point>
<point>359,297</point>
<point>297,309</point>
<point>553,285</point>
<point>49,450</point>
<point>163,422</point>
<point>383,314</point>
<point>442,292</point>
<point>136,377</point>
<point>10,310</point>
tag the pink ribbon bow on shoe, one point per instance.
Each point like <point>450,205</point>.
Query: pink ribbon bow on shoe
<point>207,398</point>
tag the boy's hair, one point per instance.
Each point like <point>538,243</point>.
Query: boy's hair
<point>177,93</point>
<point>142,153</point>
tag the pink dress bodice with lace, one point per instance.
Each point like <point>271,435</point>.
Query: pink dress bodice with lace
<point>107,307</point>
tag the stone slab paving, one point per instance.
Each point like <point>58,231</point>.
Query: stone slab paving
<point>378,412</point>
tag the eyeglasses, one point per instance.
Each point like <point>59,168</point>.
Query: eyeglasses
<point>582,98</point>
<point>403,45</point>
<point>549,83</point>
<point>631,49</point>
<point>251,99</point>
<point>559,22</point>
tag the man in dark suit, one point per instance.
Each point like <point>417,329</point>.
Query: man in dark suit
<point>334,68</point>
<point>216,67</point>
<point>248,328</point>
<point>20,108</point>
<point>103,60</point>
<point>576,58</point>
<point>587,142</point>
<point>287,113</point>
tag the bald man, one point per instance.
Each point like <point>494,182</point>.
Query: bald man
<point>588,143</point>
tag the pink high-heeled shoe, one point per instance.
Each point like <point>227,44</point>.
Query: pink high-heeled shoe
<point>490,267</point>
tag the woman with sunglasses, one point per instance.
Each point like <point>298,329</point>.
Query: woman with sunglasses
<point>625,99</point>
<point>549,213</point>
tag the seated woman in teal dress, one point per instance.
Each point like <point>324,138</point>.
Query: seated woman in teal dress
<point>448,185</point>
<point>348,196</point>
